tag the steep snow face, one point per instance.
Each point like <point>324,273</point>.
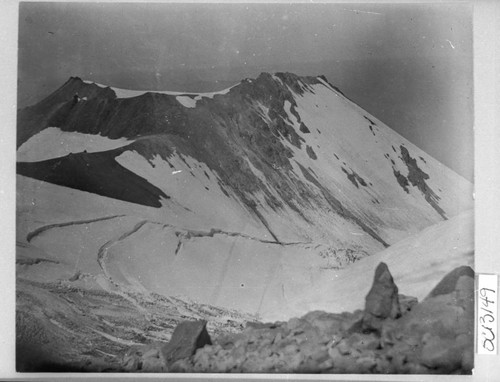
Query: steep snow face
<point>342,142</point>
<point>380,176</point>
<point>52,142</point>
<point>359,139</point>
<point>197,189</point>
<point>417,263</point>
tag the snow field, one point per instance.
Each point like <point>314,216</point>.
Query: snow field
<point>193,185</point>
<point>417,264</point>
<point>52,142</point>
<point>333,119</point>
<point>230,271</point>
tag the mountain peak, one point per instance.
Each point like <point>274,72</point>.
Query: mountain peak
<point>265,80</point>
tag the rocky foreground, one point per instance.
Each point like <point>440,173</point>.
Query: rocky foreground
<point>394,334</point>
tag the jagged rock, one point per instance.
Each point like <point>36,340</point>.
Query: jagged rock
<point>406,303</point>
<point>262,325</point>
<point>382,300</point>
<point>448,310</point>
<point>438,332</point>
<point>366,364</point>
<point>441,353</point>
<point>152,361</point>
<point>327,324</point>
<point>294,323</point>
<point>449,283</point>
<point>187,337</point>
<point>147,358</point>
<point>383,366</point>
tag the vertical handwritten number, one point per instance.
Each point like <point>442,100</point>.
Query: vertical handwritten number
<point>490,317</point>
<point>484,298</point>
<point>483,291</point>
<point>487,317</point>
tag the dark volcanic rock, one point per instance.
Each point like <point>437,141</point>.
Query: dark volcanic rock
<point>303,128</point>
<point>418,178</point>
<point>57,106</point>
<point>97,173</point>
<point>403,182</point>
<point>187,337</point>
<point>382,301</point>
<point>311,152</point>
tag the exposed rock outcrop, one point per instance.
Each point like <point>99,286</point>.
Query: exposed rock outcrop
<point>431,337</point>
<point>382,301</point>
<point>187,337</point>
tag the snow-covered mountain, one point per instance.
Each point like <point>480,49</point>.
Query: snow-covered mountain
<point>229,198</point>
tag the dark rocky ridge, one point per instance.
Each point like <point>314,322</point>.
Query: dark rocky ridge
<point>34,119</point>
<point>97,173</point>
<point>416,177</point>
<point>431,337</point>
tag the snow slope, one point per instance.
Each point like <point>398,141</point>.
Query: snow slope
<point>260,195</point>
<point>108,242</point>
<point>346,141</point>
<point>52,142</point>
<point>101,243</point>
<point>196,188</point>
<point>417,263</point>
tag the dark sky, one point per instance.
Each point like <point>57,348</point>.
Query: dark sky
<point>410,65</point>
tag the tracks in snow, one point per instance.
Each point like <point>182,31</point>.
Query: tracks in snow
<point>183,235</point>
<point>31,235</point>
<point>102,255</point>
<point>187,234</point>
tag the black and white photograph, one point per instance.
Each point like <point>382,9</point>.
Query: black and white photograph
<point>273,188</point>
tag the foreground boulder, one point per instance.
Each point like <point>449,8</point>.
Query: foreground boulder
<point>382,300</point>
<point>187,337</point>
<point>449,283</point>
<point>440,330</point>
<point>395,334</point>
